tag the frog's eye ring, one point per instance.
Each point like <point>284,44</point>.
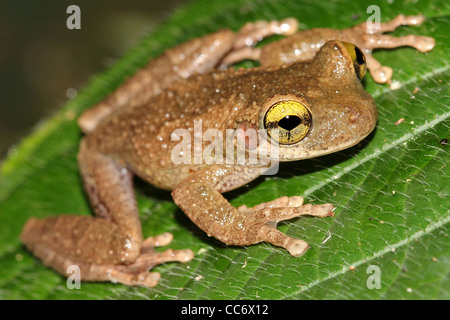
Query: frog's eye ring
<point>287,122</point>
<point>358,59</point>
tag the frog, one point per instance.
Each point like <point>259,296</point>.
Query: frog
<point>305,98</point>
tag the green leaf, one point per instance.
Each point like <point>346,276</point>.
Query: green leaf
<point>391,191</point>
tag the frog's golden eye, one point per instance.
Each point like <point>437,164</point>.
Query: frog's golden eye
<point>287,122</point>
<point>358,58</point>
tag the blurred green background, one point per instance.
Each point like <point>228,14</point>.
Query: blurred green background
<point>43,64</point>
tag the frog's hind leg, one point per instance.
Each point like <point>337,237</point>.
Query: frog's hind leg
<point>373,38</point>
<point>88,243</point>
<point>252,33</point>
<point>108,247</point>
<point>198,55</point>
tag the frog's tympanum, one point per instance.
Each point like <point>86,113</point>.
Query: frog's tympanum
<point>306,96</point>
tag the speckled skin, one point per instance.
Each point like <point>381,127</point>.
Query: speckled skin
<point>130,132</point>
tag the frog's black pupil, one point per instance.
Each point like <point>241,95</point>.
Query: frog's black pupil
<point>289,122</point>
<point>359,56</point>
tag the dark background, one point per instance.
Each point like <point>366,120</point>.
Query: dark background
<point>43,63</point>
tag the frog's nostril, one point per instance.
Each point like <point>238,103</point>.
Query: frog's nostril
<point>353,117</point>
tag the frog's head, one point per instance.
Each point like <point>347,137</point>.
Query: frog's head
<point>327,109</point>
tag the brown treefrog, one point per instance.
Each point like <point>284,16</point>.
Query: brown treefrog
<point>306,95</point>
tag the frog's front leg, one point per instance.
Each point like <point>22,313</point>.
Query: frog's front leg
<point>199,196</point>
<point>108,247</point>
<point>368,38</point>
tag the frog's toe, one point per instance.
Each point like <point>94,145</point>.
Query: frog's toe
<point>148,255</point>
<point>148,260</point>
<point>160,240</point>
<point>282,202</point>
<point>143,278</point>
<point>424,44</point>
<point>253,32</point>
<point>414,20</point>
<point>136,274</point>
<point>296,247</point>
<point>273,212</point>
<point>149,279</point>
<point>380,74</point>
<point>318,210</point>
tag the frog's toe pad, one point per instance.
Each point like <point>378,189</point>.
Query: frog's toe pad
<point>160,240</point>
<point>318,210</point>
<point>382,74</point>
<point>424,44</point>
<point>297,247</point>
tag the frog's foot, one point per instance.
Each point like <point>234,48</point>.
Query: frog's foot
<point>378,40</point>
<point>400,20</point>
<point>383,74</point>
<point>370,36</point>
<point>137,273</point>
<point>252,33</point>
<point>261,221</point>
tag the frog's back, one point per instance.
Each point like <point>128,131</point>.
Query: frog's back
<point>146,136</point>
<point>141,135</point>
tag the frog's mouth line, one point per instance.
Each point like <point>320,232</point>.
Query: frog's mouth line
<point>266,146</point>
<point>249,145</point>
<point>308,154</point>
